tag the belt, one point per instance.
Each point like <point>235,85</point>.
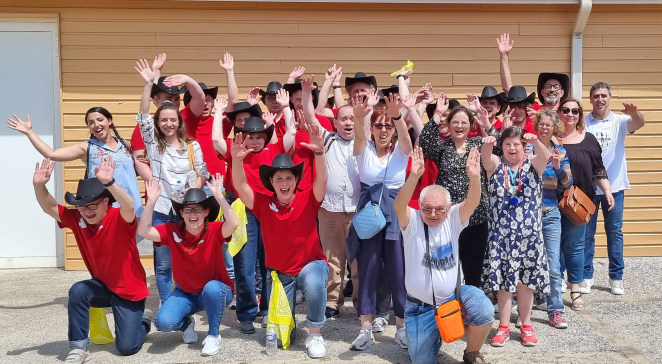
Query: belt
<point>417,301</point>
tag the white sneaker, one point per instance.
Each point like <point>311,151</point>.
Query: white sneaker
<point>540,306</point>
<point>316,346</point>
<point>378,324</point>
<point>299,296</point>
<point>77,356</point>
<point>519,323</point>
<point>496,308</point>
<point>401,337</point>
<point>265,321</point>
<point>365,339</point>
<point>585,286</point>
<point>211,345</point>
<point>189,335</point>
<point>616,287</point>
<point>564,286</point>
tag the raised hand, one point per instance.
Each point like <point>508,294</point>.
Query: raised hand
<point>421,94</point>
<point>417,163</point>
<point>159,61</point>
<point>529,137</point>
<point>216,187</point>
<point>42,174</point>
<point>490,141</point>
<point>283,97</point>
<point>254,96</point>
<point>442,103</point>
<point>147,73</point>
<point>474,103</point>
<point>393,104</point>
<point>297,72</point>
<point>175,80</point>
<point>630,109</point>
<point>507,115</point>
<point>238,150</point>
<point>227,63</point>
<point>373,98</point>
<point>152,189</point>
<point>556,159</point>
<point>428,100</point>
<point>19,125</point>
<point>505,44</point>
<point>360,106</point>
<point>316,141</point>
<point>530,112</point>
<point>406,73</point>
<point>268,118</point>
<point>104,172</point>
<point>330,74</point>
<point>409,101</point>
<point>221,103</point>
<point>300,118</point>
<point>483,118</point>
<point>338,77</point>
<point>307,84</point>
<point>473,164</point>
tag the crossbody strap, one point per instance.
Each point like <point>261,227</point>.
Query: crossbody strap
<point>379,204</point>
<point>87,161</point>
<point>459,279</point>
<point>191,156</point>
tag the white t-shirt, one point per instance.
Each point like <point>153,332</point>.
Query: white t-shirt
<point>371,168</point>
<point>444,256</point>
<point>611,133</point>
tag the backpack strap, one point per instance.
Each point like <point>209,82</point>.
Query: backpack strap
<point>87,161</point>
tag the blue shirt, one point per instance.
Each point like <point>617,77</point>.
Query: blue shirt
<point>551,178</point>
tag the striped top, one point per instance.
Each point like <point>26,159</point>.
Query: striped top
<point>551,178</point>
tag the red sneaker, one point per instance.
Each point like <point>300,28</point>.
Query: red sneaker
<point>502,335</point>
<point>528,336</point>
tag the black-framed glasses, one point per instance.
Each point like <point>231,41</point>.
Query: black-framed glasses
<point>549,87</point>
<point>567,110</point>
<point>379,126</point>
<point>89,206</point>
<point>429,211</point>
<point>197,210</point>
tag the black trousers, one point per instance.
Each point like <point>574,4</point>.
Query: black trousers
<point>473,243</point>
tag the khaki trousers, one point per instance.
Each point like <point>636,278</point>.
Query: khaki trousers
<point>333,230</point>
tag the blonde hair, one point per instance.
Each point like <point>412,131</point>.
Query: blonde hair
<point>553,115</point>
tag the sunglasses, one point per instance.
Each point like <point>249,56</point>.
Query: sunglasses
<point>91,207</point>
<point>567,110</point>
<point>188,210</point>
<point>379,126</point>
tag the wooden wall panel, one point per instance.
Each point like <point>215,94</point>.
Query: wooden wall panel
<point>452,45</point>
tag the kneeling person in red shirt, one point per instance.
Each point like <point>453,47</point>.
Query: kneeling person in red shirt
<point>106,237</point>
<point>196,246</point>
<point>289,228</point>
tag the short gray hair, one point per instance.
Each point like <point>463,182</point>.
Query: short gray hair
<point>599,85</point>
<point>437,188</point>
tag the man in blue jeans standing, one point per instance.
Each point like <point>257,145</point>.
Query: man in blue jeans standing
<point>610,129</point>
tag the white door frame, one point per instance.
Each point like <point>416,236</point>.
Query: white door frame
<point>43,22</point>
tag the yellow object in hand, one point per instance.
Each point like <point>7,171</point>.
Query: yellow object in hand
<point>99,331</point>
<point>240,235</point>
<point>408,67</point>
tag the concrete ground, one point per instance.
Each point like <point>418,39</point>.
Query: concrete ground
<point>612,329</point>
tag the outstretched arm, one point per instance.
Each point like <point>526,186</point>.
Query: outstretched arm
<point>393,105</point>
<point>407,191</point>
<point>490,161</point>
<point>104,173</point>
<point>42,174</point>
<point>636,121</point>
<point>323,95</point>
<point>317,145</point>
<point>505,46</point>
<point>217,127</point>
<point>147,73</point>
<point>197,103</point>
<point>283,99</point>
<point>227,63</point>
<point>307,87</point>
<point>296,73</point>
<point>538,161</point>
<point>414,118</point>
<point>231,220</point>
<point>65,154</point>
<point>361,123</point>
<point>468,206</point>
<point>145,228</point>
<point>239,152</point>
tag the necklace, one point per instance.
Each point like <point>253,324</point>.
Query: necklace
<point>462,157</point>
<point>513,183</point>
<point>283,203</point>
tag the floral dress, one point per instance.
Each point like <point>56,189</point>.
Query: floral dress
<point>516,251</point>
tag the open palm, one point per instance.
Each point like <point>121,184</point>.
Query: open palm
<point>19,125</point>
<point>42,174</point>
<point>105,171</point>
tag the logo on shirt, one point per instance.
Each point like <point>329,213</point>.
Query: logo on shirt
<point>604,139</point>
<point>177,239</point>
<point>442,258</point>
<point>82,223</point>
<point>100,227</point>
<point>273,207</point>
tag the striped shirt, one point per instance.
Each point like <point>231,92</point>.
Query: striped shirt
<point>551,178</point>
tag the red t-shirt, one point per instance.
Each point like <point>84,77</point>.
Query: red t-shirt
<point>137,142</point>
<point>289,232</point>
<point>429,177</point>
<point>252,164</point>
<point>109,251</point>
<point>528,127</point>
<point>200,129</point>
<point>196,260</point>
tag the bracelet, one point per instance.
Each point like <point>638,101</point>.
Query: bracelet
<point>335,87</point>
<point>491,130</point>
<point>112,181</point>
<point>320,153</point>
<point>397,117</point>
<point>400,75</point>
<point>438,112</point>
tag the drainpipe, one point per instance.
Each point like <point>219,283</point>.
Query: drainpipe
<point>577,48</point>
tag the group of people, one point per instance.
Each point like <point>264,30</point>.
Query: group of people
<point>239,200</point>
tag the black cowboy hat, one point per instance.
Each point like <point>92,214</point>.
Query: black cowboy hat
<point>296,86</point>
<point>160,87</point>
<point>360,77</point>
<point>198,196</point>
<point>208,91</point>
<point>243,106</point>
<point>518,94</point>
<point>254,124</point>
<point>429,110</point>
<point>390,90</point>
<point>561,77</point>
<point>88,190</point>
<point>281,162</point>
<point>272,89</point>
<point>489,92</point>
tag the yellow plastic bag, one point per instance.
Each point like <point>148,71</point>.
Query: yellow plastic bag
<point>240,235</point>
<point>408,67</point>
<point>280,313</point>
<point>99,331</point>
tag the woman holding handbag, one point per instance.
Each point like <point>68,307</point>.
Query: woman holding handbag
<point>585,156</point>
<point>382,162</point>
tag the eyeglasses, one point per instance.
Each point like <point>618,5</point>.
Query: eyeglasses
<point>549,87</point>
<point>188,210</point>
<point>90,206</point>
<point>567,110</point>
<point>429,211</point>
<point>548,126</point>
<point>379,126</point>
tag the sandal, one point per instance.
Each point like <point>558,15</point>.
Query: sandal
<point>577,306</point>
<point>470,358</point>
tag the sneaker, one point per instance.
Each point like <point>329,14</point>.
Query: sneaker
<point>299,296</point>
<point>378,324</point>
<point>540,306</point>
<point>77,356</point>
<point>316,346</point>
<point>616,287</point>
<point>585,285</point>
<point>211,345</point>
<point>265,321</point>
<point>148,316</point>
<point>564,286</point>
<point>496,308</point>
<point>519,323</point>
<point>189,335</point>
<point>558,321</point>
<point>401,337</point>
<point>528,337</point>
<point>331,313</point>
<point>233,304</point>
<point>247,327</point>
<point>502,335</point>
<point>365,339</point>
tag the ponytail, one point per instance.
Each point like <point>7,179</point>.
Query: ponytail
<point>124,143</point>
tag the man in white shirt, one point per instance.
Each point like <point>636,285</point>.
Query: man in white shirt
<point>438,259</point>
<point>610,130</point>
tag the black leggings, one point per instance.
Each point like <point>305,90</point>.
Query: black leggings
<point>473,243</point>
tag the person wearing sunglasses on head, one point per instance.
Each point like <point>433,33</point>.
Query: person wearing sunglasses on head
<point>610,130</point>
<point>585,156</point>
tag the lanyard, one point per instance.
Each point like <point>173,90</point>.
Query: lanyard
<point>510,189</point>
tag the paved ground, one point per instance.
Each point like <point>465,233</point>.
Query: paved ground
<point>612,329</point>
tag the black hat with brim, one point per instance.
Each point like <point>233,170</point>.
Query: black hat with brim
<point>89,190</point>
<point>254,124</point>
<point>281,162</point>
<point>243,106</point>
<point>517,94</point>
<point>561,77</point>
<point>489,92</point>
<point>390,90</point>
<point>160,87</point>
<point>198,196</point>
<point>208,91</point>
<point>360,77</point>
<point>272,89</point>
<point>296,86</point>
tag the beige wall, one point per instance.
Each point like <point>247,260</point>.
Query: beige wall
<point>453,46</point>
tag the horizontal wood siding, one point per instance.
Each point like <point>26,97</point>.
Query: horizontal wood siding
<point>452,45</point>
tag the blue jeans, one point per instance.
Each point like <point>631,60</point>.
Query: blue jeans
<point>613,225</point>
<point>130,329</point>
<point>180,305</point>
<point>572,248</point>
<point>312,280</point>
<point>162,261</point>
<point>551,233</point>
<point>423,336</point>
